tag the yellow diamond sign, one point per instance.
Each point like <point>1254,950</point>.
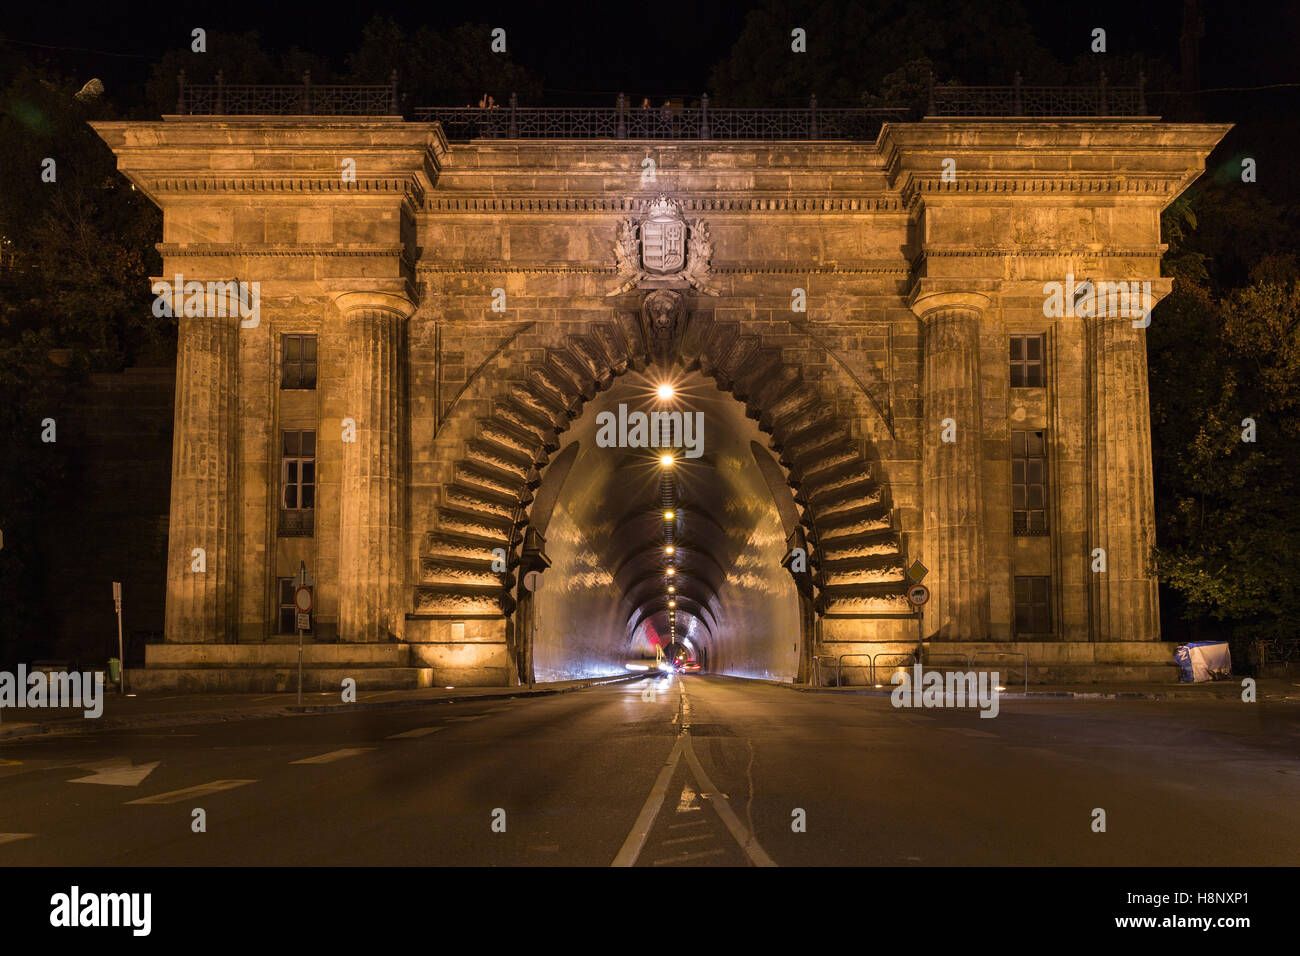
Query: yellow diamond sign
<point>917,571</point>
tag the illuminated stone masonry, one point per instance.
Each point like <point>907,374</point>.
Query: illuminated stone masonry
<point>433,317</point>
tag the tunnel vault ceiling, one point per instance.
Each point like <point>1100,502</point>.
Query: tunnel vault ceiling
<point>606,595</point>
<point>602,514</point>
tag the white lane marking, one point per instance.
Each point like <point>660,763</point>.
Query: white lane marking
<point>645,819</point>
<point>669,861</point>
<point>119,773</point>
<point>14,837</point>
<point>176,796</point>
<point>334,755</point>
<point>462,719</point>
<point>688,839</point>
<point>970,733</point>
<point>417,732</point>
<point>693,823</point>
<point>748,842</point>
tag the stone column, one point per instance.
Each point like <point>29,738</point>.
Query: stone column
<point>201,605</point>
<point>1122,600</point>
<point>371,566</point>
<point>952,491</point>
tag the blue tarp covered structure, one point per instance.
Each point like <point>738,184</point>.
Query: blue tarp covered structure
<point>1202,661</point>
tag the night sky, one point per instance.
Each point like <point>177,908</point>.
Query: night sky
<point>588,52</point>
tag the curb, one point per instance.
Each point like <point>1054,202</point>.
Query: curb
<point>504,695</point>
<point>1171,695</point>
<point>25,731</point>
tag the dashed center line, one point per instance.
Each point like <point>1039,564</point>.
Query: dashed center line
<point>334,755</point>
<point>417,732</point>
<point>176,796</point>
<point>687,856</point>
<point>688,839</point>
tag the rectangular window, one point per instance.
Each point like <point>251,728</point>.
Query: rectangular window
<point>288,617</point>
<point>297,361</point>
<point>1033,605</point>
<point>1029,483</point>
<point>1027,365</point>
<point>297,483</point>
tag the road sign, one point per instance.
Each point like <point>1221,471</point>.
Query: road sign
<point>917,572</point>
<point>533,581</point>
<point>302,600</point>
<point>303,621</point>
<point>918,594</point>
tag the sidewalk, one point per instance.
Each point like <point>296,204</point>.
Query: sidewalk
<point>178,710</point>
<point>1271,689</point>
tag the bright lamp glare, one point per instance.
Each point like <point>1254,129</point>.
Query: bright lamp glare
<point>666,461</point>
<point>669,549</point>
<point>671,572</point>
<point>669,515</point>
<point>671,588</point>
<point>665,391</point>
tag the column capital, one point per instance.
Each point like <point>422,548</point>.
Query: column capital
<point>926,302</point>
<point>395,299</point>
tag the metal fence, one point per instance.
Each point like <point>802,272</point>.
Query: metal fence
<point>664,122</point>
<point>698,121</point>
<point>304,99</point>
<point>1020,100</point>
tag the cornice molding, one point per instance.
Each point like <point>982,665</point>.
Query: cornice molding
<point>278,250</point>
<point>547,204</point>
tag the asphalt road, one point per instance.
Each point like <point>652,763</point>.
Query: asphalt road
<point>675,771</point>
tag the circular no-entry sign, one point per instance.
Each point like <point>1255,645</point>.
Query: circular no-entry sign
<point>918,594</point>
<point>302,599</point>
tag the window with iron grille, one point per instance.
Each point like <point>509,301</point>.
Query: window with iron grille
<point>297,361</point>
<point>1033,605</point>
<point>1027,365</point>
<point>1029,482</point>
<point>288,612</point>
<point>297,483</point>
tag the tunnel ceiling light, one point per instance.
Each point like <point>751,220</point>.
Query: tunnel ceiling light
<point>671,572</point>
<point>666,460</point>
<point>670,515</point>
<point>672,588</point>
<point>672,603</point>
<point>669,549</point>
<point>666,391</point>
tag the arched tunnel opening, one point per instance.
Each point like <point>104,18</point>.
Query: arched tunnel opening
<point>667,549</point>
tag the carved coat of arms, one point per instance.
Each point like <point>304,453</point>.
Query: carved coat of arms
<point>662,244</point>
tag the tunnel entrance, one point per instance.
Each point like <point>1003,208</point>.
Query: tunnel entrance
<point>662,533</point>
<point>561,526</point>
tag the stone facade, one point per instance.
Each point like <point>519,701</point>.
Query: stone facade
<point>916,271</point>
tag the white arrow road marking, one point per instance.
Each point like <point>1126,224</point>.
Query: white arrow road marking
<point>14,837</point>
<point>687,802</point>
<point>176,796</point>
<point>632,846</point>
<point>748,842</point>
<point>118,772</point>
<point>417,732</point>
<point>334,755</point>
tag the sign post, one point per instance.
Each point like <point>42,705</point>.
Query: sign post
<point>533,584</point>
<point>302,604</point>
<point>121,657</point>
<point>917,595</point>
